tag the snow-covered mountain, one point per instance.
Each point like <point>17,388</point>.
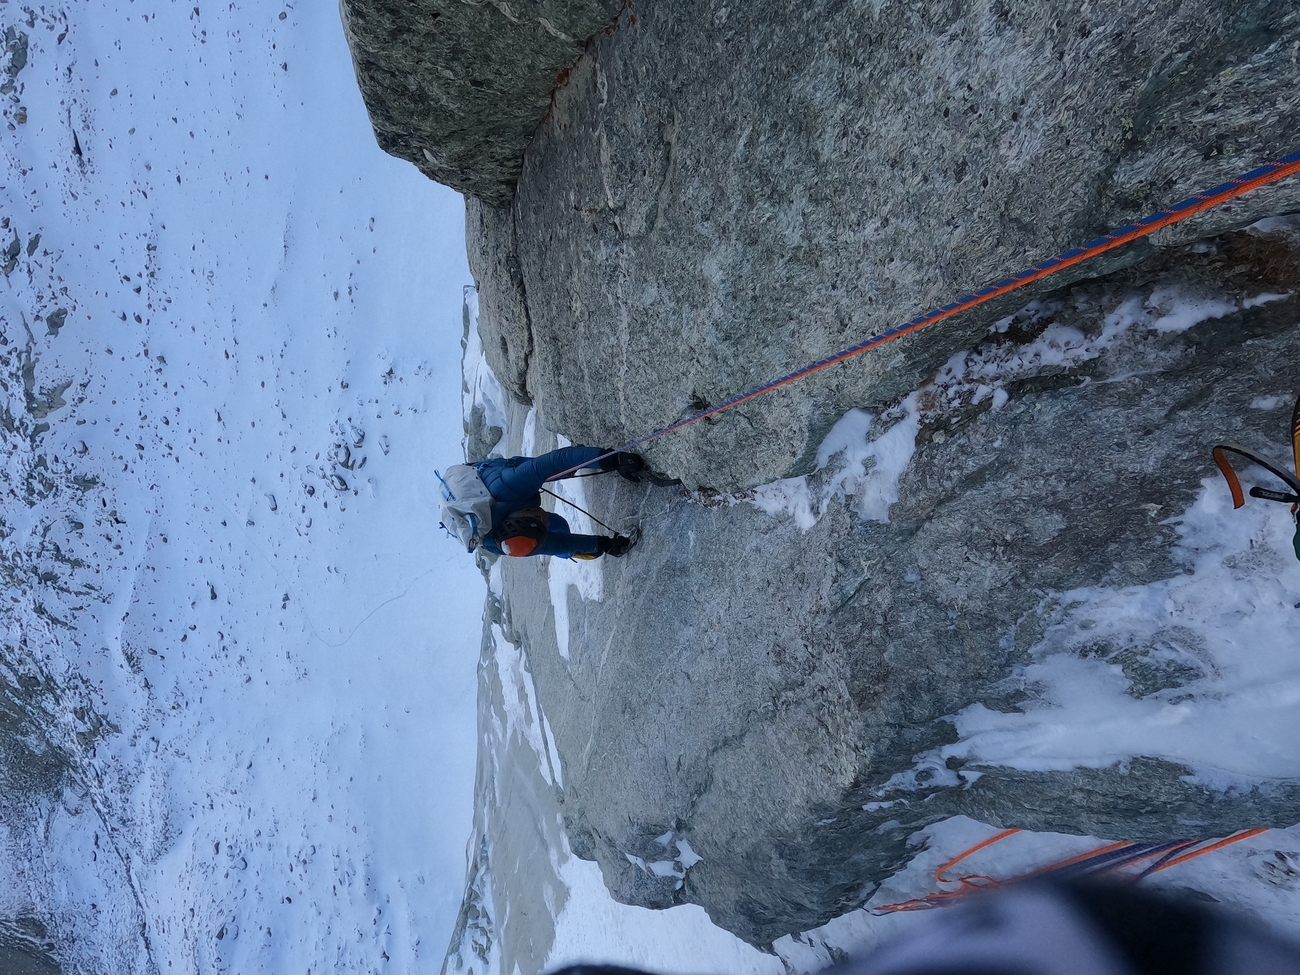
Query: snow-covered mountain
<point>237,660</point>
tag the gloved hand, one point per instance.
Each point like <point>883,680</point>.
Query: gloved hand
<point>628,465</point>
<point>617,546</point>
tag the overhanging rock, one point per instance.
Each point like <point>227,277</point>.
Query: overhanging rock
<point>458,87</point>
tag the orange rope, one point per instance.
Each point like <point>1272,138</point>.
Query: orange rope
<point>938,873</point>
<point>1061,864</point>
<point>1288,165</point>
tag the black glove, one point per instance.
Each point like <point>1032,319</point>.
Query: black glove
<point>617,546</point>
<point>628,465</point>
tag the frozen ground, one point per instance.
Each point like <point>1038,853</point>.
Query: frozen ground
<point>230,359</point>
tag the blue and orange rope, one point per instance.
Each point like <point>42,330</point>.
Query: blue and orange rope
<point>1109,859</point>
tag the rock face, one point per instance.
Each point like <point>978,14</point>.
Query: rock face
<point>494,259</point>
<point>726,191</point>
<point>757,710</point>
<point>25,950</point>
<point>458,87</point>
<point>783,699</point>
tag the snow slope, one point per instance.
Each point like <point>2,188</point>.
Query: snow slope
<point>231,360</point>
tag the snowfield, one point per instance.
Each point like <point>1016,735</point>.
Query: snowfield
<point>230,361</point>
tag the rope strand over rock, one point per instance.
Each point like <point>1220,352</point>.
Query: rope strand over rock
<point>1264,175</point>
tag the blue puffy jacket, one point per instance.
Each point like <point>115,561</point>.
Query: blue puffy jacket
<point>516,482</point>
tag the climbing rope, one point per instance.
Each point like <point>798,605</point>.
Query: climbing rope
<point>1262,176</point>
<point>1108,859</point>
<point>581,508</point>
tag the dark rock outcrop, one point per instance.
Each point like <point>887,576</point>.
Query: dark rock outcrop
<point>25,948</point>
<point>726,191</point>
<point>494,261</point>
<point>458,87</point>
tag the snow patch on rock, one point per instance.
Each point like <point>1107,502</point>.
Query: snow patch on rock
<point>865,475</point>
<point>523,715</point>
<point>482,397</point>
<point>585,575</point>
<point>1198,669</point>
<point>678,941</point>
<point>867,470</point>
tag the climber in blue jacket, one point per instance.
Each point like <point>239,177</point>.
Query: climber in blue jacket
<point>522,527</point>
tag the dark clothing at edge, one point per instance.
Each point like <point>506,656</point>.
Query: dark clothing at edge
<point>516,482</point>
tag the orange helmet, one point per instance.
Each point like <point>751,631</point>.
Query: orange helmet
<point>519,546</point>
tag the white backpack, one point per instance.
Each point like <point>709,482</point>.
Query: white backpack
<point>466,505</point>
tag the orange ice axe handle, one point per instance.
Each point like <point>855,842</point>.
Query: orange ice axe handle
<point>1295,436</point>
<point>1221,452</point>
<point>1229,475</point>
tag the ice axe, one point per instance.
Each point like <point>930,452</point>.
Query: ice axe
<point>1289,478</point>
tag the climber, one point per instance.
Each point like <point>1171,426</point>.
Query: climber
<point>496,504</point>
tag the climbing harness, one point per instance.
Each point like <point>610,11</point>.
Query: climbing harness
<point>1221,452</point>
<point>1200,202</point>
<point>1108,859</point>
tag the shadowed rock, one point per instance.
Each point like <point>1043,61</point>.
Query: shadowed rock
<point>25,948</point>
<point>458,87</point>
